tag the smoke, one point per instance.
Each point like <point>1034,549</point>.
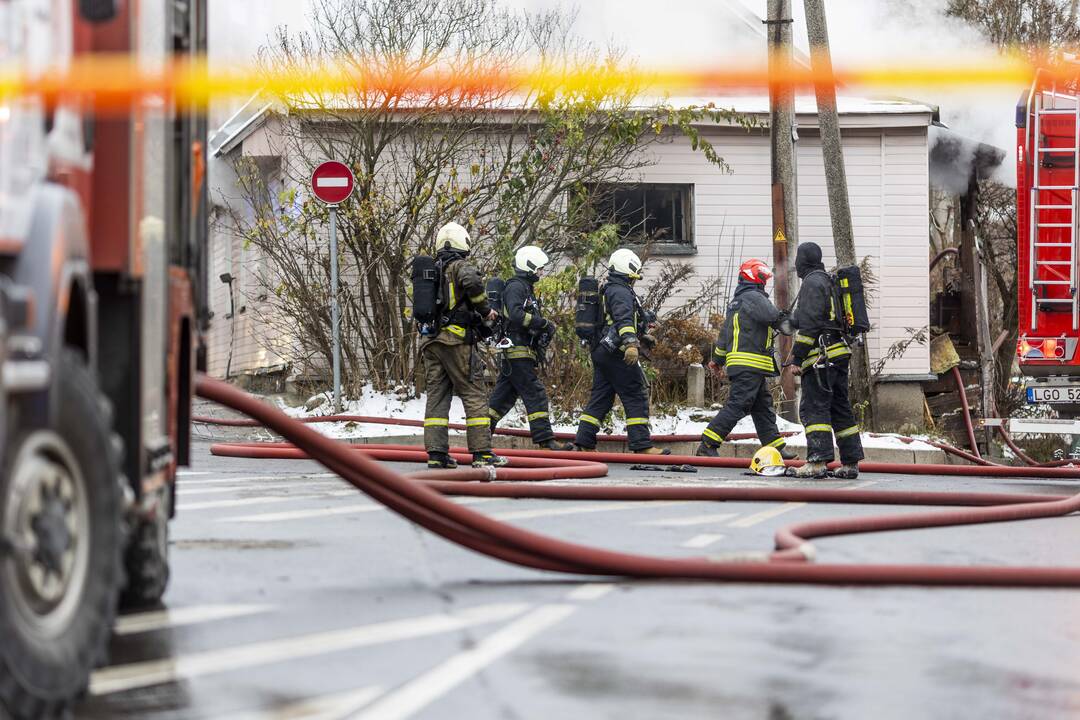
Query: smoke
<point>918,31</point>
<point>954,159</point>
<point>714,32</point>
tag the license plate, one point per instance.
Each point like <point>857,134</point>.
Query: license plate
<point>1053,394</point>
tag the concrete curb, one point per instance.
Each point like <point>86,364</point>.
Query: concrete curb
<point>735,449</point>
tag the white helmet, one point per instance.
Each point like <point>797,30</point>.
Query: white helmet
<point>625,262</point>
<point>530,259</point>
<point>453,236</point>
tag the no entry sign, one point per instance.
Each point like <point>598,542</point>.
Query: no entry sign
<point>332,182</point>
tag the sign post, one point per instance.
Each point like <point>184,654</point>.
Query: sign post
<point>333,183</point>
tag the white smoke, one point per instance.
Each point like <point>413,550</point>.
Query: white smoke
<point>700,33</point>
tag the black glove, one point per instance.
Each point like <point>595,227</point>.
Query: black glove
<point>549,328</point>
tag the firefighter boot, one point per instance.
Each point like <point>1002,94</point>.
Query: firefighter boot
<point>441,461</point>
<point>788,454</point>
<point>813,470</point>
<point>847,472</point>
<point>582,448</point>
<point>705,449</point>
<point>556,445</point>
<point>653,451</point>
<point>489,459</point>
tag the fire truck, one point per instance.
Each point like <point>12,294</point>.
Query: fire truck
<point>1048,182</point>
<point>102,237</point>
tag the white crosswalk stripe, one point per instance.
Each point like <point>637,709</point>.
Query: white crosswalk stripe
<point>174,617</point>
<point>331,511</point>
<point>155,672</point>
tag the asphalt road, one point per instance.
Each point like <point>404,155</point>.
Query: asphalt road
<point>294,597</point>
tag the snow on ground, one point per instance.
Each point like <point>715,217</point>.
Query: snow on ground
<point>687,421</point>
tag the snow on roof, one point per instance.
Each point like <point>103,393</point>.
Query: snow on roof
<point>251,115</point>
<point>807,105</point>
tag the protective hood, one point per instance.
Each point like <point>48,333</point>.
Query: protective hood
<point>447,255</point>
<point>528,277</point>
<point>808,259</point>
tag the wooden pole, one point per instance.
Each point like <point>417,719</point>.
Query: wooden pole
<point>836,183</point>
<point>785,221</point>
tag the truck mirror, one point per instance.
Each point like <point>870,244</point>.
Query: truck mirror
<point>99,11</point>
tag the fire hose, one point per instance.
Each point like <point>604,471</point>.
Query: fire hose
<point>423,502</point>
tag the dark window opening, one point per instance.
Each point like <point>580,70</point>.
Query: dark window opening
<point>646,213</point>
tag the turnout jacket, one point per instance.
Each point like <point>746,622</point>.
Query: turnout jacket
<point>524,319</point>
<point>815,315</point>
<point>622,312</point>
<point>746,340</point>
<point>465,297</point>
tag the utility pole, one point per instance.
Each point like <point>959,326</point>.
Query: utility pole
<point>836,180</point>
<point>783,134</point>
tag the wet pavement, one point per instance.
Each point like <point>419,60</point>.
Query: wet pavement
<point>293,596</point>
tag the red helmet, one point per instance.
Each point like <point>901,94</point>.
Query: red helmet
<point>756,271</point>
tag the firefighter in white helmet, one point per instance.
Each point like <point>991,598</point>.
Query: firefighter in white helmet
<point>615,359</point>
<point>530,333</point>
<point>449,365</point>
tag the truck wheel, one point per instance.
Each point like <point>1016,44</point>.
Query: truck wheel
<point>61,507</point>
<point>147,558</point>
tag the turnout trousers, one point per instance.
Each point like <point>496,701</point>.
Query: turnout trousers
<point>749,395</point>
<point>611,377</point>
<point>518,379</point>
<point>448,371</point>
<point>825,410</point>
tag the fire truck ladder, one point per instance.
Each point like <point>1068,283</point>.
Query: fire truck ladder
<point>1039,204</point>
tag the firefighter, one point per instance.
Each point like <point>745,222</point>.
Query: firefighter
<point>530,333</point>
<point>449,364</point>
<point>745,350</point>
<point>821,356</point>
<point>615,360</point>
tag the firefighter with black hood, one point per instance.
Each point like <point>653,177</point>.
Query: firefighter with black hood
<point>745,349</point>
<point>615,360</point>
<point>821,356</point>
<point>449,366</point>
<point>529,332</point>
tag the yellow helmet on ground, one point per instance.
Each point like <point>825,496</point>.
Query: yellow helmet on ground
<point>767,461</point>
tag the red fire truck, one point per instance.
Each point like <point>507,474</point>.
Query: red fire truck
<point>1048,182</point>
<point>102,230</point>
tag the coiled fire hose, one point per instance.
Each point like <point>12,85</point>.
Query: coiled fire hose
<point>423,502</point>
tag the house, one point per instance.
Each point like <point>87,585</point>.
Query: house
<point>710,219</point>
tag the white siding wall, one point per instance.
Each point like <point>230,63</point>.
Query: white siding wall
<point>888,184</point>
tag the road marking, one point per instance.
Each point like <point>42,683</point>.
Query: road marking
<point>766,515</point>
<point>185,473</point>
<point>420,692</point>
<point>579,509</point>
<point>862,484</point>
<point>314,485</point>
<point>260,500</point>
<point>702,541</point>
<point>331,511</point>
<point>590,591</point>
<point>715,518</point>
<point>174,617</point>
<point>327,707</point>
<point>155,672</point>
<point>253,478</point>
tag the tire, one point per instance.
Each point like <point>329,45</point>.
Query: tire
<point>147,559</point>
<point>56,625</point>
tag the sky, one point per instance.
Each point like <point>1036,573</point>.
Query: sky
<point>704,32</point>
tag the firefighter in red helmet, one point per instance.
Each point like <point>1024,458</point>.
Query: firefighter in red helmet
<point>745,350</point>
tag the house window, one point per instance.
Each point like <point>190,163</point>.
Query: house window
<point>659,215</point>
